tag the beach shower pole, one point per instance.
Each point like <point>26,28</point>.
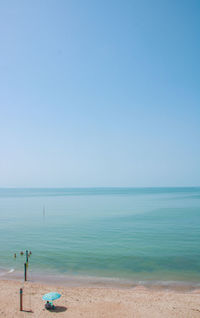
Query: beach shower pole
<point>25,274</point>
<point>21,296</point>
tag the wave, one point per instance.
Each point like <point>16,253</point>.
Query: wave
<point>4,272</point>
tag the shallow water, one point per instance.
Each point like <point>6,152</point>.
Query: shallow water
<point>146,234</point>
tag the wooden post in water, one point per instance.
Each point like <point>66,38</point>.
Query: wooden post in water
<point>27,256</point>
<point>21,296</point>
<point>25,274</point>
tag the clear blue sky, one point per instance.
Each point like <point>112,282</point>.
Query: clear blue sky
<point>99,93</point>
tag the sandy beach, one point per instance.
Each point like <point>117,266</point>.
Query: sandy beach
<point>97,302</point>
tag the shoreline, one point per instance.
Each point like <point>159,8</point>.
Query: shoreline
<point>98,281</point>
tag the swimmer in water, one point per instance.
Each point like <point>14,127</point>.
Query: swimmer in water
<point>21,253</point>
<point>15,255</point>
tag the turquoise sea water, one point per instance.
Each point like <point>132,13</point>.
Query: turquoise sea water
<point>138,234</point>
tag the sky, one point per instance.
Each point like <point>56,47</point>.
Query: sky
<point>99,93</point>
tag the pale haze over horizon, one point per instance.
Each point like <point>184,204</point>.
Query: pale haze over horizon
<point>99,93</point>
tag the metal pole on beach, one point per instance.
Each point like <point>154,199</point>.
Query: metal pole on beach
<point>25,274</point>
<point>21,296</point>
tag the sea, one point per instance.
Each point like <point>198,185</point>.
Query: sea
<point>128,236</point>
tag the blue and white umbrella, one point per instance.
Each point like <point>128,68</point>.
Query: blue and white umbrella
<point>51,296</point>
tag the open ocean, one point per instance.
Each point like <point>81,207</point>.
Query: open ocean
<point>134,234</point>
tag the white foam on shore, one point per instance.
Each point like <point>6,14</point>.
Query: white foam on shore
<point>4,272</point>
<point>11,270</point>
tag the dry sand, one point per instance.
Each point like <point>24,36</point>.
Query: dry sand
<point>91,302</point>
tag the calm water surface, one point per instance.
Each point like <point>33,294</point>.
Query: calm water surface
<point>141,234</point>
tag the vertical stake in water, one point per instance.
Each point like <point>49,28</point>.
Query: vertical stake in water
<point>27,256</point>
<point>43,213</point>
<point>25,274</point>
<point>21,296</point>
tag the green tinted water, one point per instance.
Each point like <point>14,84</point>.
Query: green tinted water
<point>138,234</point>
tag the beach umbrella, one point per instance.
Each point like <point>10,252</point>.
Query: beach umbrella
<point>51,296</point>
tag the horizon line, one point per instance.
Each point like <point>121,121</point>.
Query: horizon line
<point>99,187</point>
